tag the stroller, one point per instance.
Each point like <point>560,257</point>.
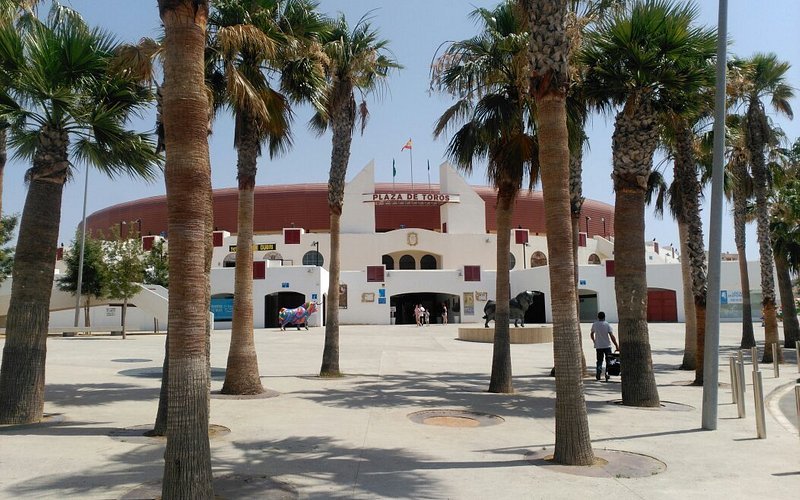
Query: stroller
<point>613,366</point>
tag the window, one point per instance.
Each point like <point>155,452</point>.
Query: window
<point>512,261</point>
<point>520,236</point>
<point>594,259</point>
<point>581,239</point>
<point>407,262</point>
<point>472,273</point>
<point>375,273</point>
<point>427,262</point>
<point>312,258</point>
<point>388,262</point>
<point>217,237</point>
<point>538,259</point>
<point>229,260</point>
<point>259,270</point>
<point>291,236</point>
<point>610,270</point>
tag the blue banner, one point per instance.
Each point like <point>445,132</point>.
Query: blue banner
<point>222,307</point>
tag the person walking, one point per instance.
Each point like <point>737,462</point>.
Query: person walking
<point>444,313</point>
<point>418,313</point>
<point>602,335</point>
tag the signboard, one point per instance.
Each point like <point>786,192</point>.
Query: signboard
<point>582,282</point>
<point>285,284</point>
<point>313,296</point>
<point>381,300</point>
<point>261,247</point>
<point>343,296</point>
<point>222,307</point>
<point>735,297</point>
<point>723,296</point>
<point>410,198</point>
<point>469,304</point>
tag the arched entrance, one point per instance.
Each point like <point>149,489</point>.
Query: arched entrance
<point>536,313</point>
<point>404,304</point>
<point>275,301</point>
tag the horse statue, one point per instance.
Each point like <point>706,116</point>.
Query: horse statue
<point>297,316</point>
<point>517,307</point>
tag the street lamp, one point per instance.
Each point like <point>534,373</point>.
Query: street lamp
<point>603,220</point>
<point>587,224</point>
<point>316,256</point>
<point>79,285</point>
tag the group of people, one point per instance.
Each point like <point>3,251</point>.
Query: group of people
<point>423,316</point>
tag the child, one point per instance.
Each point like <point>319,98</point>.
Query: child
<point>602,336</point>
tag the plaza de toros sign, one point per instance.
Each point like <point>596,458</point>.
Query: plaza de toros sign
<point>410,198</point>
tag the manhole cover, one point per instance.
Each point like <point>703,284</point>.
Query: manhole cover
<point>454,418</point>
<point>665,405</point>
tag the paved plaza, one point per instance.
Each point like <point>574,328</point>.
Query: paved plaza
<point>353,437</point>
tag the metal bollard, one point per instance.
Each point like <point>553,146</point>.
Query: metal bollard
<point>776,367</point>
<point>742,380</point>
<point>734,388</point>
<point>797,402</point>
<point>740,391</point>
<point>758,395</point>
<point>754,357</point>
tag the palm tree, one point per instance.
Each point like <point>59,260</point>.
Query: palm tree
<point>358,60</point>
<point>765,78</point>
<point>251,42</point>
<point>187,458</point>
<point>641,60</point>
<point>548,59</point>
<point>487,74</point>
<point>63,106</point>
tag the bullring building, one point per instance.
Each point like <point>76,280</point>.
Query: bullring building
<point>403,245</point>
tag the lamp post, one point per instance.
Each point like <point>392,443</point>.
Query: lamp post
<point>587,224</point>
<point>79,285</point>
<point>316,257</point>
<point>603,220</point>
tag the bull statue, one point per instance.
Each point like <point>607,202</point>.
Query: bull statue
<point>297,316</point>
<point>517,307</point>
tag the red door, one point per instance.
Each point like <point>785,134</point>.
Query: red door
<point>662,305</point>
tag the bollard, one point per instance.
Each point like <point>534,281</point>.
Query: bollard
<point>742,380</point>
<point>740,391</point>
<point>776,367</point>
<point>754,357</point>
<point>797,357</point>
<point>758,395</point>
<point>797,403</point>
<point>734,388</point>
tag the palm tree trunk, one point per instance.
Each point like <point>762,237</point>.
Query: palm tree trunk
<point>330,353</point>
<point>739,222</point>
<point>634,141</point>
<point>573,442</point>
<point>242,375</point>
<point>501,380</point>
<point>342,121</point>
<point>790,324</point>
<point>690,334</point>
<point>160,425</point>
<point>187,458</point>
<point>3,160</point>
<point>22,373</point>
<point>576,205</point>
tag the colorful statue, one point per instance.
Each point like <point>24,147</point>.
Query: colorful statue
<point>297,316</point>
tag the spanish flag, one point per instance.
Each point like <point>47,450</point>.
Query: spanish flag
<point>407,146</point>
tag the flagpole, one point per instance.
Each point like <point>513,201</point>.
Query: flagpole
<point>429,175</point>
<point>411,159</point>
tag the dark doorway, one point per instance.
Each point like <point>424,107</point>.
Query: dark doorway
<point>407,262</point>
<point>275,301</point>
<point>535,313</point>
<point>404,304</point>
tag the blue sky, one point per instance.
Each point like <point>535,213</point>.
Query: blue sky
<point>407,109</point>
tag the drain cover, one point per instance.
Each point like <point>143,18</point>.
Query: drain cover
<point>454,418</point>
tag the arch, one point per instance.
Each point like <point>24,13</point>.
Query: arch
<point>404,303</point>
<point>273,256</point>
<point>538,259</point>
<point>388,262</point>
<point>229,260</point>
<point>313,258</point>
<point>408,262</point>
<point>428,261</point>
<point>594,259</point>
<point>512,261</point>
<point>273,303</point>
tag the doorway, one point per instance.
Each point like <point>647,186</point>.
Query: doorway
<point>405,303</point>
<point>536,313</point>
<point>275,301</point>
